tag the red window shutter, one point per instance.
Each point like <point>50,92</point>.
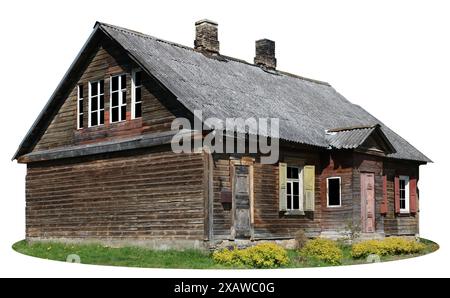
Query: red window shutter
<point>397,194</point>
<point>413,195</point>
<point>384,203</point>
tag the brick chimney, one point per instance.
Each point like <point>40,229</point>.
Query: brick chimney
<point>265,54</point>
<point>206,37</point>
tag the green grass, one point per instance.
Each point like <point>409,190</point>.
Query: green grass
<point>126,256</point>
<point>188,259</point>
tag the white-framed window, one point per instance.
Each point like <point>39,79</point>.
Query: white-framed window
<point>334,192</point>
<point>96,103</point>
<point>80,107</point>
<point>118,98</point>
<point>404,193</point>
<point>136,94</point>
<point>294,188</point>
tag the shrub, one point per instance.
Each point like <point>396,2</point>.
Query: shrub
<point>300,239</point>
<point>388,246</point>
<point>323,250</point>
<point>264,255</point>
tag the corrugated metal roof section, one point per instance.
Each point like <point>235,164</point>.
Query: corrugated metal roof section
<point>226,87</point>
<point>349,139</point>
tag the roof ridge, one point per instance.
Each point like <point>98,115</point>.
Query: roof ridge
<point>144,35</point>
<point>352,128</point>
<point>147,36</point>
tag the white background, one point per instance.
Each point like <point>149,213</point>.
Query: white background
<point>391,57</point>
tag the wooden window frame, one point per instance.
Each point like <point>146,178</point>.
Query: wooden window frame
<point>133,93</point>
<point>407,198</point>
<point>79,99</point>
<point>328,192</point>
<point>99,110</point>
<point>120,97</point>
<point>300,189</point>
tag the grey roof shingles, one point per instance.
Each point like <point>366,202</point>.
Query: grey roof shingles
<point>228,87</point>
<point>349,138</point>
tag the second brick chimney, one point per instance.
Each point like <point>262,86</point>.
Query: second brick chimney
<point>265,54</point>
<point>206,36</point>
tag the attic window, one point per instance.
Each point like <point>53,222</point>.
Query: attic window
<point>136,94</point>
<point>80,107</point>
<point>118,104</point>
<point>96,103</point>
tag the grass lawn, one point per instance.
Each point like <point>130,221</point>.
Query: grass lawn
<point>189,259</point>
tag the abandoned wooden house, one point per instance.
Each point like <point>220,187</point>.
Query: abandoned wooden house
<point>100,165</point>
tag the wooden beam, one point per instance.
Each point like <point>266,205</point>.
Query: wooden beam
<point>143,141</point>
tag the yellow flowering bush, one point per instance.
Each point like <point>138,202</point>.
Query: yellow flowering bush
<point>324,250</point>
<point>264,255</point>
<point>387,246</point>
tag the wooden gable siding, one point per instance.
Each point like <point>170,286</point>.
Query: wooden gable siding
<point>150,195</point>
<point>400,224</point>
<point>109,59</point>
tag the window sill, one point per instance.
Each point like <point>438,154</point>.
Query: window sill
<point>293,213</point>
<point>117,122</point>
<point>93,127</point>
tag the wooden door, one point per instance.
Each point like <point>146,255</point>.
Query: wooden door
<point>242,202</point>
<point>368,202</point>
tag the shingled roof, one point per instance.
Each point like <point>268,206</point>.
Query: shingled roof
<point>225,87</point>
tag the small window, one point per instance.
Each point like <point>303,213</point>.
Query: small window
<point>118,103</point>
<point>136,96</point>
<point>294,195</point>
<point>334,191</point>
<point>96,103</point>
<point>404,193</point>
<point>80,107</point>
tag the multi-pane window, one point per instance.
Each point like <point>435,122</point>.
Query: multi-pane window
<point>404,193</point>
<point>293,194</point>
<point>334,191</point>
<point>136,96</point>
<point>96,103</point>
<point>80,107</point>
<point>118,106</point>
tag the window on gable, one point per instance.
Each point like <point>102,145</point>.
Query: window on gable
<point>80,107</point>
<point>96,103</point>
<point>294,195</point>
<point>118,104</point>
<point>404,193</point>
<point>136,96</point>
<point>334,191</point>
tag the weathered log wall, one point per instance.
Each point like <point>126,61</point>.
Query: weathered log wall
<point>269,223</point>
<point>400,224</point>
<point>138,196</point>
<point>339,164</point>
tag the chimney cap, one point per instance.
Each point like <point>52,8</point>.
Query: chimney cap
<point>264,40</point>
<point>206,21</point>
